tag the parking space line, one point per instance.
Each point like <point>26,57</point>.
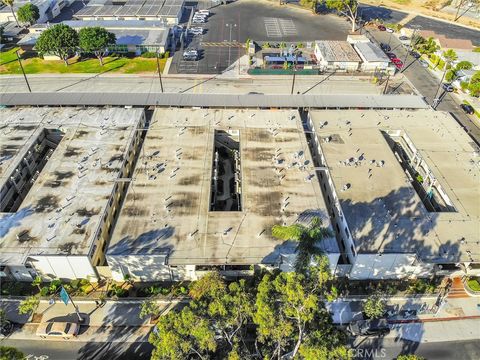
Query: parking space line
<point>288,27</point>
<point>272,27</point>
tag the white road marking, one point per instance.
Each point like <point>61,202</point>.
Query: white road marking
<point>288,27</point>
<point>272,27</point>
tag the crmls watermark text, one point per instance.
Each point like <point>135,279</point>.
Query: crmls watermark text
<point>360,353</point>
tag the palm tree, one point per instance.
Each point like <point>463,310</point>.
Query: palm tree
<point>450,56</point>
<point>10,4</point>
<point>307,237</point>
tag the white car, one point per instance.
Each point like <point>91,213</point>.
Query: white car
<point>198,21</point>
<point>196,30</point>
<point>204,11</point>
<point>390,30</point>
<point>198,15</point>
<point>423,63</point>
<point>65,330</point>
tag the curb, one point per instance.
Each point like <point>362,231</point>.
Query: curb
<point>409,321</point>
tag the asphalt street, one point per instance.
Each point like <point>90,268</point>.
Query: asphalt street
<point>72,350</point>
<point>427,84</point>
<point>364,349</point>
<point>387,349</point>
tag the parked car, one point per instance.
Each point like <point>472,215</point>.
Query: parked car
<point>204,11</point>
<point>391,56</point>
<point>396,60</point>
<point>468,109</point>
<point>423,63</point>
<point>196,30</point>
<point>403,38</point>
<point>198,21</point>
<point>390,30</point>
<point>415,54</point>
<point>190,55</point>
<point>369,327</point>
<point>447,87</point>
<point>54,329</point>
<point>382,28</point>
<point>385,47</point>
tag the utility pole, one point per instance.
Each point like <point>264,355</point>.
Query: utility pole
<point>159,73</point>
<point>386,84</point>
<point>294,71</point>
<point>436,100</point>
<point>23,71</point>
<point>408,50</point>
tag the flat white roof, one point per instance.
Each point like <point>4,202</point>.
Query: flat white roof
<point>384,212</point>
<point>166,210</point>
<point>62,210</point>
<point>370,52</point>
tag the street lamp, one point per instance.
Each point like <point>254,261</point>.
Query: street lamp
<point>295,53</point>
<point>230,26</point>
<point>436,99</point>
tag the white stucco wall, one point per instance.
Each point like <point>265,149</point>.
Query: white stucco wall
<point>388,266</point>
<point>64,267</point>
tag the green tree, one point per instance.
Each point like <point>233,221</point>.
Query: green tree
<point>307,237</point>
<point>474,85</point>
<point>464,65</point>
<point>450,56</point>
<point>426,46</point>
<point>149,308</point>
<point>183,334</point>
<point>96,40</point>
<point>374,307</point>
<point>29,305</point>
<point>11,353</point>
<point>28,14</point>
<point>37,282</point>
<point>409,357</point>
<point>60,40</point>
<point>348,8</point>
<point>292,318</point>
<point>9,3</point>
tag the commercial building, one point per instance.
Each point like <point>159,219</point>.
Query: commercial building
<point>402,189</point>
<point>373,57</point>
<point>133,36</point>
<point>61,172</point>
<point>208,187</point>
<point>168,11</point>
<point>47,9</point>
<point>336,55</point>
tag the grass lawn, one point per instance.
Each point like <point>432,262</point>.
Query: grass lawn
<point>35,65</point>
<point>473,284</point>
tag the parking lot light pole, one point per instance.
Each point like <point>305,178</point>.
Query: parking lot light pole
<point>159,73</point>
<point>436,99</point>
<point>231,26</point>
<point>408,50</point>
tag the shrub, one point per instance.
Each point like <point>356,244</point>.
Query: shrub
<point>149,54</point>
<point>473,284</point>
<point>44,291</point>
<point>421,286</point>
<point>28,305</point>
<point>374,307</point>
<point>149,308</point>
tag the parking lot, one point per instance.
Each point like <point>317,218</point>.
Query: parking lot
<point>229,27</point>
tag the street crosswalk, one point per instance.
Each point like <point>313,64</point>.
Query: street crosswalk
<point>276,27</point>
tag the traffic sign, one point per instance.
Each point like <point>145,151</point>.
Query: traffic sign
<point>64,296</point>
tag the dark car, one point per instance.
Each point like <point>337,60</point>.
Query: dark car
<point>415,54</point>
<point>382,28</point>
<point>369,327</point>
<point>404,38</point>
<point>385,47</point>
<point>447,87</point>
<point>391,56</point>
<point>468,109</point>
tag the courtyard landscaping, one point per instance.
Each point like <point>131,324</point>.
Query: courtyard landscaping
<point>115,63</point>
